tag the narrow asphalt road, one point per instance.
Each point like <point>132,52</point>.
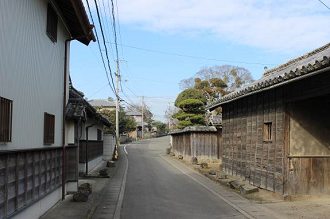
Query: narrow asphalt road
<point>155,189</point>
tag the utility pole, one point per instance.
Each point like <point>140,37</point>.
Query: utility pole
<point>142,116</point>
<point>117,109</point>
<point>169,119</point>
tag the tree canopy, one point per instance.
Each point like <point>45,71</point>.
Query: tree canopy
<point>217,81</point>
<point>191,102</point>
<point>161,127</point>
<point>126,123</point>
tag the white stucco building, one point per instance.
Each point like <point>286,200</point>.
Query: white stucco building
<point>37,165</point>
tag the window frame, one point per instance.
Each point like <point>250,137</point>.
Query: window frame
<point>267,134</point>
<point>49,129</point>
<point>6,137</point>
<point>52,23</point>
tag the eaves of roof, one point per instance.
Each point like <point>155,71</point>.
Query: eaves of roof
<point>312,63</point>
<point>78,97</point>
<point>76,19</point>
<point>194,129</point>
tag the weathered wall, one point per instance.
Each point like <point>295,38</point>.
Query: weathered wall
<point>203,145</point>
<point>310,144</point>
<point>31,71</point>
<point>299,113</point>
<point>310,127</point>
<point>245,153</point>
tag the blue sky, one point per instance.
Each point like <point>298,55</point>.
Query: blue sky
<point>267,32</point>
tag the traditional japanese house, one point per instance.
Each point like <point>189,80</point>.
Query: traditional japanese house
<point>276,131</point>
<point>85,129</point>
<point>37,165</point>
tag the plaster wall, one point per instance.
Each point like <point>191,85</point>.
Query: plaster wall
<point>310,128</point>
<point>109,142</point>
<point>91,164</point>
<point>70,128</point>
<point>40,207</point>
<point>92,131</point>
<point>31,71</point>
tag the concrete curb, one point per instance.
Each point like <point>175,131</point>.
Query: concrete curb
<point>122,189</point>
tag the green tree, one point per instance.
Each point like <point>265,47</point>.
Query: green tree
<point>126,123</point>
<point>217,81</point>
<point>161,127</point>
<point>191,102</point>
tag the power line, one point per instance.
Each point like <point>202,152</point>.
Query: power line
<point>145,79</point>
<point>134,82</point>
<point>131,91</point>
<point>196,57</point>
<point>99,46</point>
<point>107,29</point>
<point>98,91</point>
<point>106,50</point>
<point>122,51</point>
<point>114,29</point>
<point>324,4</point>
<point>105,46</point>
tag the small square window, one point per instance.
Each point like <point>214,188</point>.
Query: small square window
<point>51,23</point>
<point>267,131</point>
<point>6,112</point>
<point>49,128</point>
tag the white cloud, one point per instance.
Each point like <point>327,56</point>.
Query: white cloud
<point>280,25</point>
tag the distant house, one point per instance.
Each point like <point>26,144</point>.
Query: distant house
<point>276,130</point>
<point>85,128</point>
<point>137,117</point>
<point>102,104</point>
<point>37,164</point>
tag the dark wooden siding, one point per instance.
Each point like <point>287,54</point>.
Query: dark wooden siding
<point>245,153</point>
<point>265,163</point>
<point>203,145</point>
<point>94,150</point>
<point>27,176</point>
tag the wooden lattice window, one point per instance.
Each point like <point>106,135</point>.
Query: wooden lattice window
<point>267,131</point>
<point>51,23</point>
<point>99,134</point>
<point>6,112</point>
<point>49,128</point>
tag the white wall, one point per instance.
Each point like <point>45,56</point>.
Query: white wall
<point>31,71</point>
<point>39,208</point>
<point>70,129</point>
<point>91,164</point>
<point>92,131</point>
<point>109,142</point>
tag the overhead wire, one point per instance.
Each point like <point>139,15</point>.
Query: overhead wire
<point>105,46</point>
<point>114,30</point>
<point>107,29</point>
<point>119,31</point>
<point>196,57</point>
<point>99,46</point>
<point>324,4</point>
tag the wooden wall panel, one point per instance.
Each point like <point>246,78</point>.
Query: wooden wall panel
<point>203,145</point>
<point>245,153</point>
<point>28,175</point>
